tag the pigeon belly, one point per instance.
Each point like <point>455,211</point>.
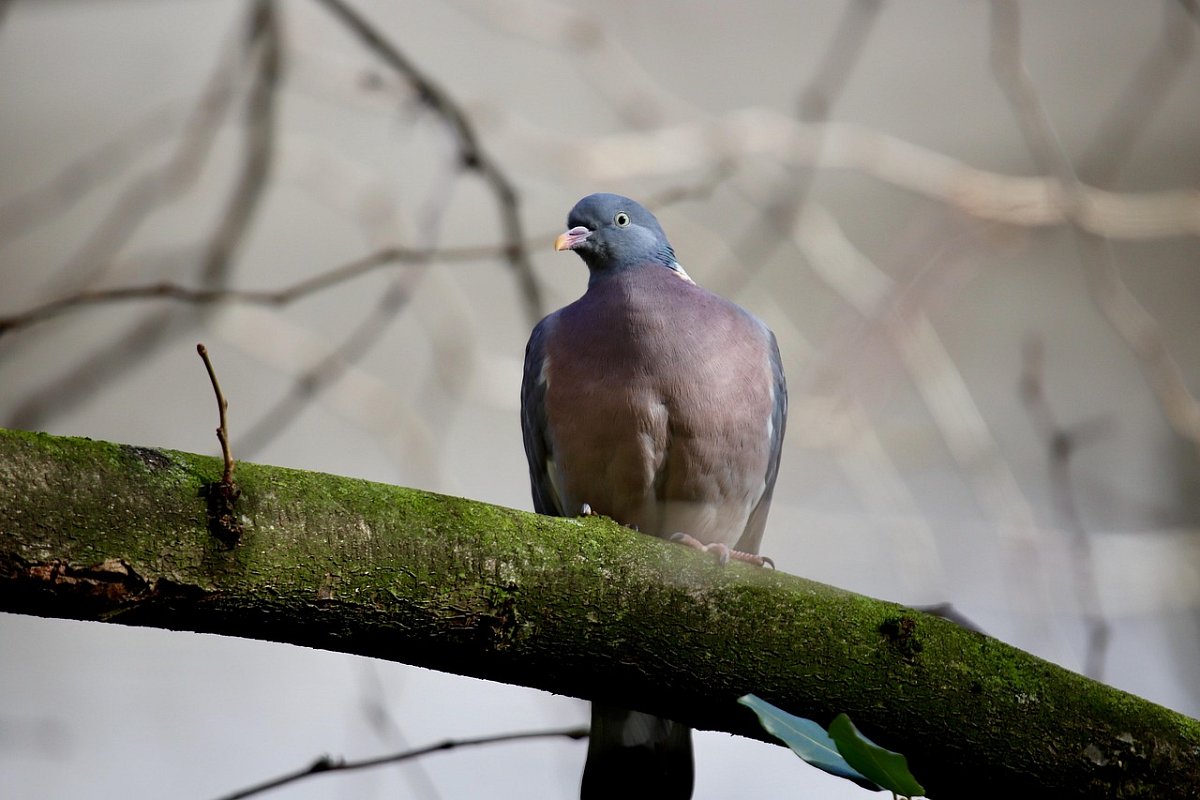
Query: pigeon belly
<point>642,420</point>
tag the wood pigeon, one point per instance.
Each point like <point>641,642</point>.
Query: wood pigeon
<point>661,405</point>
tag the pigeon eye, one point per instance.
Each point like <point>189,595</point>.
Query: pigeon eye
<point>621,219</point>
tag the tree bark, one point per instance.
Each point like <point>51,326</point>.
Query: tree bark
<point>116,533</point>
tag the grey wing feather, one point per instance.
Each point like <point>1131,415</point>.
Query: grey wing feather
<point>752,536</point>
<point>534,423</point>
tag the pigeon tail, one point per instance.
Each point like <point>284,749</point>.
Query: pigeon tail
<point>634,755</point>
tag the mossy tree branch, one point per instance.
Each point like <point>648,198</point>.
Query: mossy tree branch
<point>98,531</point>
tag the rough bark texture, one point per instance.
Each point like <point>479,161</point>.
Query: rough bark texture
<point>98,531</point>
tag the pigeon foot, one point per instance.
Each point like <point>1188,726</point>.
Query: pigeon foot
<point>723,551</point>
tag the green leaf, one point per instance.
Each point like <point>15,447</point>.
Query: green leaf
<point>884,767</point>
<point>806,738</point>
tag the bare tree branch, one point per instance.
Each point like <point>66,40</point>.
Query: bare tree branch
<point>326,764</point>
<point>773,226</point>
<point>1131,113</point>
<point>1125,313</point>
<point>471,157</point>
<point>165,290</point>
<point>363,336</point>
<point>471,154</point>
<point>258,147</point>
<point>1061,444</point>
<point>80,176</point>
<point>159,185</point>
<point>309,384</point>
<point>610,70</point>
<point>261,39</point>
<point>991,196</point>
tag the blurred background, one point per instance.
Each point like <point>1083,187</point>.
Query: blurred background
<point>973,227</point>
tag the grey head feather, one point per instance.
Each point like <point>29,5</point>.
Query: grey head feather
<point>623,235</point>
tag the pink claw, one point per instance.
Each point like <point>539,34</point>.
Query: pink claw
<point>723,551</point>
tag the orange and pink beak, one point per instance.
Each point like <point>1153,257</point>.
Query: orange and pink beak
<point>572,238</point>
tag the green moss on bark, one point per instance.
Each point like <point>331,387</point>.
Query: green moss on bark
<point>93,530</point>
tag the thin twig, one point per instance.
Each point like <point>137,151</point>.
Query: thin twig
<point>167,290</point>
<point>327,764</point>
<point>222,409</point>
<point>222,496</point>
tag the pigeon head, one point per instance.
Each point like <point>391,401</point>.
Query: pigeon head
<point>612,233</point>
